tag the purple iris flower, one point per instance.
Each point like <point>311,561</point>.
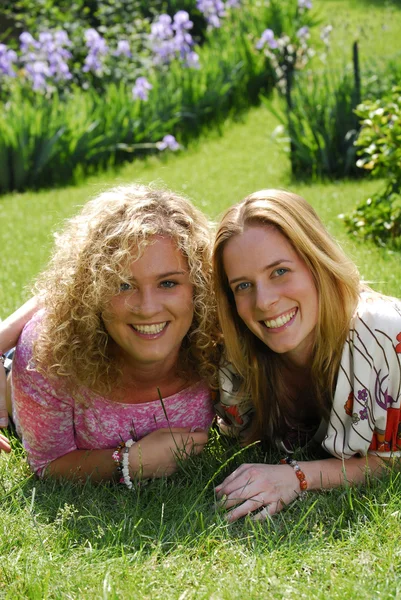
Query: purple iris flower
<point>268,39</point>
<point>213,10</point>
<point>182,21</point>
<point>27,40</point>
<point>97,48</point>
<point>305,4</point>
<point>168,142</point>
<point>193,60</point>
<point>61,38</point>
<point>169,38</point>
<point>303,33</point>
<point>123,49</point>
<point>7,59</point>
<point>141,88</point>
<point>46,57</point>
<point>38,72</point>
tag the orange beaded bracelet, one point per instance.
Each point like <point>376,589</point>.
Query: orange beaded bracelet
<point>303,484</point>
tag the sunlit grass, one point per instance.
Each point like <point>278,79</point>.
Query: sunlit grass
<point>59,540</point>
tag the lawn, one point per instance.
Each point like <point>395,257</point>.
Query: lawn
<point>167,540</point>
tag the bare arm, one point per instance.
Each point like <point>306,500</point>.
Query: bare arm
<point>254,486</point>
<point>10,328</point>
<point>155,455</point>
<point>3,405</point>
<point>332,472</point>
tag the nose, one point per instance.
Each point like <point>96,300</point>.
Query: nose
<point>266,296</point>
<point>145,303</point>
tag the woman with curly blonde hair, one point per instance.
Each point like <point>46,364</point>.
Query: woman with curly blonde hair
<point>314,355</point>
<point>114,373</point>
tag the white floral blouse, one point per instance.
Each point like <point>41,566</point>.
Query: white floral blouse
<point>366,411</point>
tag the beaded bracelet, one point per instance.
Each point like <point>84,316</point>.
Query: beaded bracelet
<point>121,456</point>
<point>303,484</point>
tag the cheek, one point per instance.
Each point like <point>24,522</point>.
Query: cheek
<point>243,309</point>
<point>187,299</point>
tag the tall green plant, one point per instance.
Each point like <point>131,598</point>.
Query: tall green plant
<point>321,125</point>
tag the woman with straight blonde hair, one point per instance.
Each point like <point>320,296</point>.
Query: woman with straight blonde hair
<point>112,377</point>
<point>312,354</point>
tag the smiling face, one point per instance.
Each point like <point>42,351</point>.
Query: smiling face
<point>153,311</point>
<point>274,291</point>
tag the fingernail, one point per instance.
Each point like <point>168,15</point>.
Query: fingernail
<point>196,429</point>
<point>3,422</point>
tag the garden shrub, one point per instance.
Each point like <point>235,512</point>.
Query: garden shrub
<point>379,144</point>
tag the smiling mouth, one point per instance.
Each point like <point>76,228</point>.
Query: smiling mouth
<point>281,320</point>
<point>152,329</point>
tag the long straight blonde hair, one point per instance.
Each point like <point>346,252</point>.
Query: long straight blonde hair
<point>338,285</point>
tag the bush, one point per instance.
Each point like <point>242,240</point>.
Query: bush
<point>379,218</point>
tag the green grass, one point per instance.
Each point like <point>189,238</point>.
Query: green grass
<point>215,173</point>
<point>166,540</point>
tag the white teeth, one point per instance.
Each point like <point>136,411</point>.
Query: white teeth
<point>280,321</point>
<point>150,329</point>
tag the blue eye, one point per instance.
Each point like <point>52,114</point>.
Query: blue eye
<point>280,271</point>
<point>168,284</point>
<point>245,285</point>
<point>125,287</point>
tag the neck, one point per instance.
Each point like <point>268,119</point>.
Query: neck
<point>301,364</point>
<point>152,374</point>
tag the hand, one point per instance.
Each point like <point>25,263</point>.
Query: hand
<point>257,486</point>
<point>3,405</point>
<point>158,453</point>
<point>4,443</point>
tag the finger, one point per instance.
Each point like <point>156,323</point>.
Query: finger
<point>199,437</point>
<point>272,508</point>
<point>262,515</point>
<point>191,440</point>
<point>254,500</point>
<point>197,448</point>
<point>240,483</point>
<point>3,417</point>
<point>244,509</point>
<point>226,486</point>
<point>4,444</point>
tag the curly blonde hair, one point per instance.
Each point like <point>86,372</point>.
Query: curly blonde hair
<point>338,285</point>
<point>90,262</point>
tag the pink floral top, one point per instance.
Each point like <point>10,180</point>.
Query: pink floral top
<point>51,423</point>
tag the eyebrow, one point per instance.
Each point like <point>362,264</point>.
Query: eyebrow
<point>164,275</point>
<point>171,273</point>
<point>267,267</point>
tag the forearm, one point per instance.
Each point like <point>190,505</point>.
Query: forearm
<point>333,472</point>
<point>79,465</point>
<point>11,328</point>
